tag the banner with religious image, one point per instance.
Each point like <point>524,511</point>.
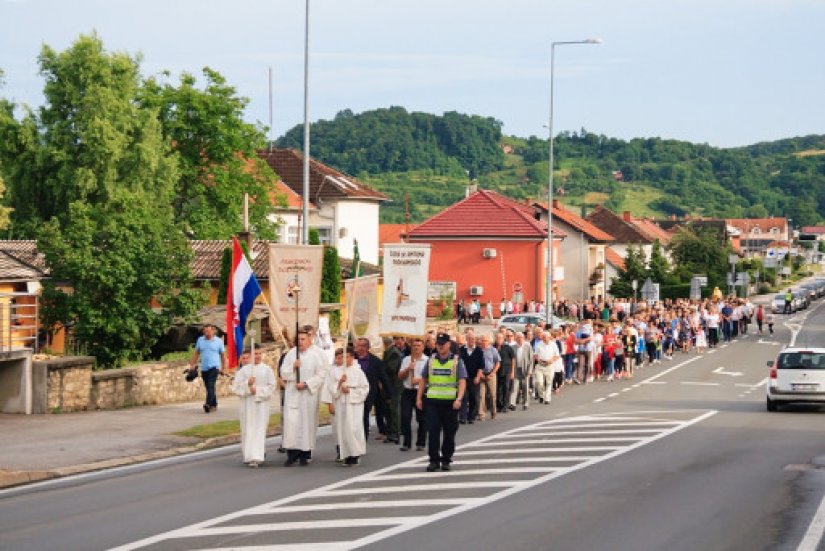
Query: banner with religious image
<point>362,308</point>
<point>404,305</point>
<point>295,285</point>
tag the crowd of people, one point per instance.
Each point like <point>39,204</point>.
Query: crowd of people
<point>422,388</point>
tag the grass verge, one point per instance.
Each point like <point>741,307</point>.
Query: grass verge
<point>229,428</point>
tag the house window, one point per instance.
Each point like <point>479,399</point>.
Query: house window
<point>756,231</point>
<point>325,235</point>
<point>292,235</point>
<point>775,231</point>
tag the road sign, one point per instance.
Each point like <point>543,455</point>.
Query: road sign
<point>769,262</point>
<point>650,291</point>
<point>702,279</point>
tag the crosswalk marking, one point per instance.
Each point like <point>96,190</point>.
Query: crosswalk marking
<point>485,470</point>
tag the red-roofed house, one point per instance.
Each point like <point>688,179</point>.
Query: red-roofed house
<point>752,236</point>
<point>582,253</point>
<point>492,247</point>
<point>345,208</point>
<point>392,233</point>
<point>290,215</point>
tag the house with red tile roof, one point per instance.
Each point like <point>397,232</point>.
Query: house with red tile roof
<point>492,247</point>
<point>392,233</point>
<point>624,232</point>
<point>582,253</point>
<point>345,210</point>
<point>288,215</point>
<point>753,236</point>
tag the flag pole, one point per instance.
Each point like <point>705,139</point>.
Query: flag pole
<point>356,268</point>
<point>296,290</point>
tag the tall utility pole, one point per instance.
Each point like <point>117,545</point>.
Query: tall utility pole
<point>305,209</point>
<point>548,293</point>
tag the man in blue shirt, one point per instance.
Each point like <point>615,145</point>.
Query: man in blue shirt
<point>210,350</point>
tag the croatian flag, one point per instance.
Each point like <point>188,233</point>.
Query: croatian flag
<point>241,293</point>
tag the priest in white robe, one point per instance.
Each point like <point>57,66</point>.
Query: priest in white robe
<point>303,373</point>
<point>255,383</point>
<point>345,391</point>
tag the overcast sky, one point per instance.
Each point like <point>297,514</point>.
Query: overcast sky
<point>723,72</point>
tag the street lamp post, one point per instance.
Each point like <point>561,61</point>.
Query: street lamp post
<point>548,293</point>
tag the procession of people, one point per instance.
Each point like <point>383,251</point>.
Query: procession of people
<point>423,387</point>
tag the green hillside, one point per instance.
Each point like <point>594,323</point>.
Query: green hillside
<point>430,158</point>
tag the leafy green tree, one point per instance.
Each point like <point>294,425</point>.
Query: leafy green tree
<point>696,250</point>
<point>331,285</point>
<point>99,186</point>
<point>658,268</point>
<point>217,154</point>
<point>634,270</point>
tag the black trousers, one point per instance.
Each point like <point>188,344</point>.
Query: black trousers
<point>469,404</point>
<point>367,408</point>
<point>503,388</point>
<point>407,408</point>
<point>442,419</point>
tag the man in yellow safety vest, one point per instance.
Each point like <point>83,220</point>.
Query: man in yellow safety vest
<point>444,382</point>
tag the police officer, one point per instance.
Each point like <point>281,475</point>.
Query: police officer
<point>444,382</point>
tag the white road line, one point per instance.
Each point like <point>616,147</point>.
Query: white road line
<point>451,512</point>
<point>603,425</point>
<point>597,400</point>
<point>653,383</point>
<point>421,487</point>
<point>347,487</point>
<point>363,505</point>
<point>612,395</point>
<point>556,441</point>
<point>498,461</point>
<point>334,546</point>
<point>544,449</point>
<point>626,390</point>
<point>470,472</point>
<point>305,525</point>
<point>810,542</point>
<point>594,432</point>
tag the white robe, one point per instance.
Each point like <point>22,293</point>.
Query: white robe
<point>300,412</point>
<point>254,408</point>
<point>348,421</point>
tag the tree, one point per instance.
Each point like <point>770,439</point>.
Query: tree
<point>697,250</point>
<point>99,189</point>
<point>331,285</point>
<point>634,270</point>
<point>658,268</point>
<point>217,155</point>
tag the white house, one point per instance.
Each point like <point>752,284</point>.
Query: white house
<point>342,208</point>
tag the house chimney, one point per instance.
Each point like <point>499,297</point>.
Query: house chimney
<point>626,216</point>
<point>472,187</point>
<point>673,217</point>
<point>556,204</point>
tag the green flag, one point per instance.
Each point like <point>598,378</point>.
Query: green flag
<point>357,271</point>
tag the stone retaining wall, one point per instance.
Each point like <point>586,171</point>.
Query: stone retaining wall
<point>72,385</point>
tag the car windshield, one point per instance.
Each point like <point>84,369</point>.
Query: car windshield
<point>779,297</point>
<point>802,360</point>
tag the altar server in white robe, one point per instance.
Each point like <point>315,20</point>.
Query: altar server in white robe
<point>345,391</point>
<point>304,375</point>
<point>255,383</point>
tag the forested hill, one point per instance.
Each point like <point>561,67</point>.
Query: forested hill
<point>393,140</point>
<point>430,156</point>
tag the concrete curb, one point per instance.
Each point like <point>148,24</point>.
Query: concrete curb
<point>9,478</point>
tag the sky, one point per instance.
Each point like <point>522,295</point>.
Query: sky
<point>723,72</point>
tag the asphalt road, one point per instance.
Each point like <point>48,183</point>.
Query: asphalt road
<point>684,456</point>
